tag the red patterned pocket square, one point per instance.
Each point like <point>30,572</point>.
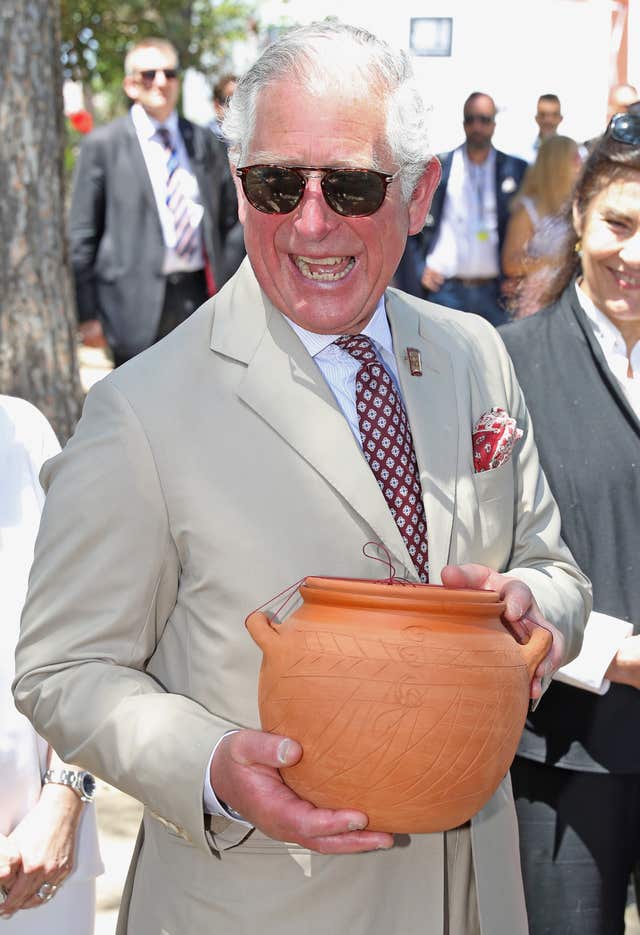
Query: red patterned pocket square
<point>494,435</point>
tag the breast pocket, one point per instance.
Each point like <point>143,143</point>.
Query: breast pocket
<point>494,490</point>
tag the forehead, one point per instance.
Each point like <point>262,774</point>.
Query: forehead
<point>150,57</point>
<point>621,194</point>
<point>548,108</point>
<point>481,105</point>
<point>296,126</point>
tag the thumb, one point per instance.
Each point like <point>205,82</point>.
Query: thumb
<point>253,747</point>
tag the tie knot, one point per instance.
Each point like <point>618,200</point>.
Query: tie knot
<point>165,137</point>
<point>359,346</point>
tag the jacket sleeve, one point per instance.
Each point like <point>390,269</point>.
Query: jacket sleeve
<point>83,671</point>
<point>86,223</point>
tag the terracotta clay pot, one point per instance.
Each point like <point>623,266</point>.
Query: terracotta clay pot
<point>408,700</point>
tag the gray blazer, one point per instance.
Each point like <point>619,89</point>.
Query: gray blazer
<point>117,247</point>
<point>204,477</point>
<point>588,437</point>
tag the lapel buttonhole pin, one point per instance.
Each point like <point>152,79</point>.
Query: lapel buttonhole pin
<point>415,361</point>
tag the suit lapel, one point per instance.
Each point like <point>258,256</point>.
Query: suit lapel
<point>431,404</point>
<point>285,388</point>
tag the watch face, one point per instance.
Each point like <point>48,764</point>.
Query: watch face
<point>88,785</point>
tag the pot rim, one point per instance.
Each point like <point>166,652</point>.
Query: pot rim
<point>423,593</point>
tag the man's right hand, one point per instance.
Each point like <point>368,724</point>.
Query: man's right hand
<point>431,279</point>
<point>244,774</point>
<point>91,333</point>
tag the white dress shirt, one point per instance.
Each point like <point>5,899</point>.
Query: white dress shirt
<point>26,441</point>
<point>604,634</point>
<point>155,158</point>
<point>339,369</point>
<point>467,242</point>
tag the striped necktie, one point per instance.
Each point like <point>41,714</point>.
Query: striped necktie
<point>388,447</point>
<point>187,236</point>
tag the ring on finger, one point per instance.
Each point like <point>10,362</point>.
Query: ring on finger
<point>46,892</point>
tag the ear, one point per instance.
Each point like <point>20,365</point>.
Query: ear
<point>131,87</point>
<point>422,194</point>
<point>242,201</point>
<point>577,220</point>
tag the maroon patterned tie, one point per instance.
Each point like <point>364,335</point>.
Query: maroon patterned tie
<point>388,447</point>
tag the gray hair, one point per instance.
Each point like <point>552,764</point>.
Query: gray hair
<point>301,56</point>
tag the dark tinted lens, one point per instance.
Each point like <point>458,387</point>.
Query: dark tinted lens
<point>149,74</point>
<point>625,128</point>
<point>273,189</point>
<point>353,192</point>
<point>480,118</point>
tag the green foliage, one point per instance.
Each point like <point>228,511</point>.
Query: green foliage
<point>96,35</point>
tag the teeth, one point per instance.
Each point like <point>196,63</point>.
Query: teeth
<point>324,261</point>
<point>628,281</point>
<point>304,264</point>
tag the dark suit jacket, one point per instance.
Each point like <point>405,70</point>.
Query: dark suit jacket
<point>588,439</point>
<point>509,173</point>
<point>117,248</point>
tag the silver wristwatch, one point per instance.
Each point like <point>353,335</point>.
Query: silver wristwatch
<point>82,783</point>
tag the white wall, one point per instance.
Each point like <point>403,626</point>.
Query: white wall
<point>512,49</point>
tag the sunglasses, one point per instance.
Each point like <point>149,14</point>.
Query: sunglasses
<point>625,128</point>
<point>478,118</point>
<point>149,74</point>
<point>352,193</point>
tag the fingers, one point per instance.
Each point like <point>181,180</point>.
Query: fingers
<point>10,862</point>
<point>24,892</point>
<point>521,615</point>
<point>244,774</point>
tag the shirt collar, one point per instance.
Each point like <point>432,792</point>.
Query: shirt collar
<point>377,328</point>
<point>146,125</point>
<point>485,166</point>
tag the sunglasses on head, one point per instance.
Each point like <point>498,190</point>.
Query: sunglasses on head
<point>149,74</point>
<point>479,118</point>
<point>625,128</point>
<point>352,193</point>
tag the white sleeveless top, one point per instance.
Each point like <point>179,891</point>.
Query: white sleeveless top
<point>26,441</point>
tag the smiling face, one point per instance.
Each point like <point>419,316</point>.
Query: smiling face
<point>610,233</point>
<point>324,271</point>
<point>159,95</point>
<point>548,117</point>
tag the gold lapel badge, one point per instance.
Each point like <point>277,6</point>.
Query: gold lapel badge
<point>415,361</point>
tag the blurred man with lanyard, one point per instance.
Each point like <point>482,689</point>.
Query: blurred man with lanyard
<point>455,260</point>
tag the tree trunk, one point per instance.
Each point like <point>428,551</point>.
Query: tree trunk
<point>37,315</point>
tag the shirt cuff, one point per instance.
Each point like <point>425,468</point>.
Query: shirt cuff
<point>212,804</point>
<point>603,637</point>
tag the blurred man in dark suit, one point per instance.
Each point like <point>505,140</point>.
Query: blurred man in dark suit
<point>153,201</point>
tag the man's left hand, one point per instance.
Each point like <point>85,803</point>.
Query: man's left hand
<point>521,615</point>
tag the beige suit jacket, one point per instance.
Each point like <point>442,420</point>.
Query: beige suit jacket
<point>204,477</point>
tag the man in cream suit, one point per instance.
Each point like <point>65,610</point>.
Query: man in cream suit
<point>229,462</point>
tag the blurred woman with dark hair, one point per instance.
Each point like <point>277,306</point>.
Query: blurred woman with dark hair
<point>577,774</point>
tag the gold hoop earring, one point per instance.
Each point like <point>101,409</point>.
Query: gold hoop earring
<point>578,248</point>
